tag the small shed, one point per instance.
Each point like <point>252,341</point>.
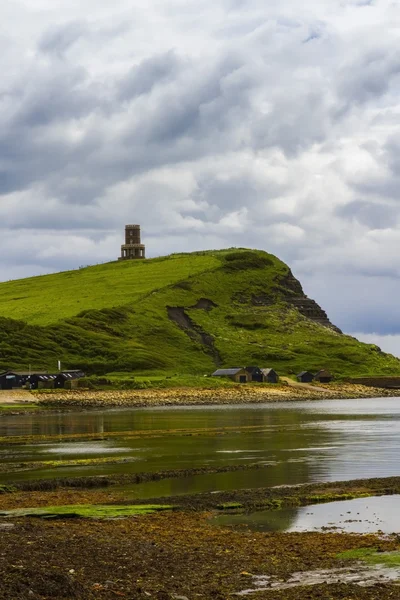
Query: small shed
<point>323,376</point>
<point>237,374</point>
<point>305,377</point>
<point>68,379</point>
<point>270,375</point>
<point>254,373</point>
<point>41,380</point>
<point>36,379</point>
<point>13,379</point>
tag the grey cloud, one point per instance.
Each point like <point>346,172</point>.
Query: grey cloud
<point>60,38</point>
<point>391,154</point>
<point>380,187</point>
<point>386,184</point>
<point>152,71</point>
<point>313,35</point>
<point>364,303</point>
<point>373,215</point>
<point>367,77</point>
<point>304,123</point>
<point>388,343</point>
<point>239,191</point>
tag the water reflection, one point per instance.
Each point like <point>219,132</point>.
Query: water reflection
<point>362,515</point>
<point>292,442</point>
<point>86,448</point>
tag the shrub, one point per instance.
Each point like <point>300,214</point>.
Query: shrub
<point>183,285</point>
<point>241,261</point>
<point>250,322</point>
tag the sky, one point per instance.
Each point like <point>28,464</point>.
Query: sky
<point>213,124</point>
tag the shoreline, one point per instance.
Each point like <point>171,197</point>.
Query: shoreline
<point>241,394</point>
<point>183,554</point>
<point>81,399</point>
<point>100,488</point>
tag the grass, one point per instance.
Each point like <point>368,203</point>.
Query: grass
<point>87,511</point>
<point>26,406</point>
<point>49,298</point>
<point>372,556</point>
<point>6,489</point>
<point>230,506</point>
<point>113,319</point>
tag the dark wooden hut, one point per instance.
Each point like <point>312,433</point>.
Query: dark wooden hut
<point>41,380</point>
<point>67,379</point>
<point>323,376</point>
<point>13,379</point>
<point>35,379</point>
<point>270,375</point>
<point>305,377</point>
<point>254,373</point>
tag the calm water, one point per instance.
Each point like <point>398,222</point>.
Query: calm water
<point>294,443</point>
<point>362,515</point>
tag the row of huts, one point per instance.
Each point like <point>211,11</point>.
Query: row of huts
<point>322,376</point>
<point>247,374</point>
<point>39,379</point>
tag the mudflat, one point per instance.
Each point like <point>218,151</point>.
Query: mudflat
<point>172,556</point>
<point>182,554</point>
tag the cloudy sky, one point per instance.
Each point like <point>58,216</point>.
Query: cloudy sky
<point>212,124</point>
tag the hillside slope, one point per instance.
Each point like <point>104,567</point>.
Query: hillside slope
<point>186,313</point>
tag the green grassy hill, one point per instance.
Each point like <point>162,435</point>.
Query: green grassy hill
<point>184,313</point>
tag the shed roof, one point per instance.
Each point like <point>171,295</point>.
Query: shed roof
<point>305,373</point>
<point>23,373</point>
<point>267,371</point>
<point>221,372</point>
<point>70,374</point>
<point>252,369</point>
<point>323,373</point>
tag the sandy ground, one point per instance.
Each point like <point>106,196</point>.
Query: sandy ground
<point>16,396</point>
<point>304,386</point>
<point>239,394</point>
<point>288,390</point>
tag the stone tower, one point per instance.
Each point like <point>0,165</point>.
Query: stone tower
<point>132,247</point>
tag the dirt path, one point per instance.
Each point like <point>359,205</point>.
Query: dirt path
<point>16,397</point>
<point>303,386</point>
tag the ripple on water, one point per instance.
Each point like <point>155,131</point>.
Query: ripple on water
<point>83,448</point>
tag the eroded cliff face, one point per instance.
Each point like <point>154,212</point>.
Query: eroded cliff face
<point>291,291</point>
<point>294,295</point>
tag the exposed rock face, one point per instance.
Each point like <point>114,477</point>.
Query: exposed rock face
<point>293,294</point>
<point>310,309</point>
<point>306,306</point>
<point>262,300</point>
<point>289,289</point>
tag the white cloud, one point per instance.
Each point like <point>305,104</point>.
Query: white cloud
<point>387,343</point>
<point>212,124</point>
